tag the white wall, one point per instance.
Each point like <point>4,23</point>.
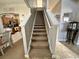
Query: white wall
<point>74,6</point>
<point>1,26</point>
<point>68,6</point>
<point>21,9</point>
<point>15,8</point>
<point>52,3</point>
<point>34,3</point>
<point>16,37</point>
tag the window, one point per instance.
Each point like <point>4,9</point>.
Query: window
<point>39,3</point>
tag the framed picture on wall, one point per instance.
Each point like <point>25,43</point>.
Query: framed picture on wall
<point>11,20</point>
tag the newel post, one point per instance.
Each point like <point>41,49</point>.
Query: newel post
<point>24,41</point>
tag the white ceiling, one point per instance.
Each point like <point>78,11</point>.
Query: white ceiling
<point>11,1</point>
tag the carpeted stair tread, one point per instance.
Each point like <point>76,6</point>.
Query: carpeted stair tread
<point>40,52</point>
<point>39,38</point>
<point>39,27</point>
<point>39,30</point>
<point>39,33</point>
<point>40,44</point>
<point>46,57</point>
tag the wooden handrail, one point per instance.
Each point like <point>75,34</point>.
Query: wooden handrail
<point>47,19</point>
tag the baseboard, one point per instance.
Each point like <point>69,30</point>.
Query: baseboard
<point>15,39</point>
<point>62,39</point>
<point>76,43</point>
<point>26,56</point>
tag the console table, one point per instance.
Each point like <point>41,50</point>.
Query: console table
<point>5,38</point>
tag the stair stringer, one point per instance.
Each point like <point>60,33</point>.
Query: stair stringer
<point>32,33</point>
<point>51,35</point>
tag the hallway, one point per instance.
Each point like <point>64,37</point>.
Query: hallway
<point>16,52</point>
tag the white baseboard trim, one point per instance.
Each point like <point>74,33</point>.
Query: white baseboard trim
<point>14,41</point>
<point>26,56</point>
<point>76,43</point>
<point>62,39</point>
<point>16,37</point>
<point>53,56</point>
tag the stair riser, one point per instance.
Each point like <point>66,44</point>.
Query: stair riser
<point>39,27</point>
<point>39,35</point>
<point>39,47</point>
<point>34,40</point>
<point>40,38</point>
<point>40,31</point>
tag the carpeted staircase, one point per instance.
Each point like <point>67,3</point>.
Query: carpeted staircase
<point>39,45</point>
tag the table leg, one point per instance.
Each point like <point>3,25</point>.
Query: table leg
<point>2,51</point>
